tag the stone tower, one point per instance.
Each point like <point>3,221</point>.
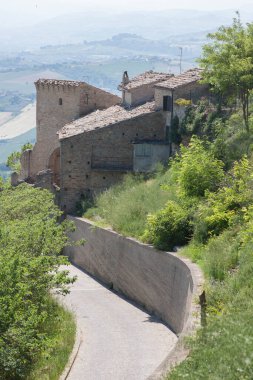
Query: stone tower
<point>59,102</point>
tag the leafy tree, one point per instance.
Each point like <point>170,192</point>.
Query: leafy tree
<point>228,63</point>
<point>13,161</point>
<point>31,242</point>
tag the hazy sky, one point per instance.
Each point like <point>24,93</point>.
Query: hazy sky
<point>30,11</point>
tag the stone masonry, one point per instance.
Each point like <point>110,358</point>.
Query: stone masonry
<point>87,138</point>
<point>98,157</point>
<point>59,103</point>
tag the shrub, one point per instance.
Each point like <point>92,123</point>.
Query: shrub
<point>169,227</point>
<point>198,170</point>
<point>232,141</point>
<point>228,205</point>
<point>199,119</point>
<point>183,102</point>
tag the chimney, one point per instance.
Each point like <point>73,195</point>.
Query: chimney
<point>125,78</point>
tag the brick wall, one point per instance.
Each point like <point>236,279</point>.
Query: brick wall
<point>86,158</point>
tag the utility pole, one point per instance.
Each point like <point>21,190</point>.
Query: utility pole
<point>181,56</point>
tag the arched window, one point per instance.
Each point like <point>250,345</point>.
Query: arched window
<point>60,101</point>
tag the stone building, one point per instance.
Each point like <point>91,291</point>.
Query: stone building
<point>140,89</point>
<point>186,86</point>
<point>59,102</point>
<point>97,150</point>
<point>87,139</point>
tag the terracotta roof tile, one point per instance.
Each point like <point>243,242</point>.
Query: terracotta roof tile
<point>149,77</point>
<point>104,118</point>
<point>59,82</point>
<point>190,76</point>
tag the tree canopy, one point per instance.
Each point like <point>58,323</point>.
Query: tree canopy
<point>13,161</point>
<point>228,62</point>
<point>31,242</point>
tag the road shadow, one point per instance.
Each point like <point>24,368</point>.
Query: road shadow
<point>151,317</point>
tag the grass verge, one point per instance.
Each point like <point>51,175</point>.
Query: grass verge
<point>61,330</point>
<point>125,206</point>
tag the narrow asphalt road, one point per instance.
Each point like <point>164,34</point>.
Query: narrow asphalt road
<point>120,341</point>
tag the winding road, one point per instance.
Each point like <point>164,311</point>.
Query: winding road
<point>119,340</point>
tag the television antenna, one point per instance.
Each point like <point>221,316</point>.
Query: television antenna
<point>181,56</point>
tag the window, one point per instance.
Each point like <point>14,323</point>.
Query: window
<point>167,103</point>
<point>60,102</point>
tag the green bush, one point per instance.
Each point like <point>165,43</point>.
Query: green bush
<point>169,227</point>
<point>228,205</point>
<point>198,170</point>
<point>232,141</point>
<point>199,119</point>
<point>31,241</point>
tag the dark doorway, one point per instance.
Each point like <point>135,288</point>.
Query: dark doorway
<point>54,165</point>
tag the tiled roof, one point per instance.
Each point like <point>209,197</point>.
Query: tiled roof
<point>190,76</point>
<point>59,82</point>
<point>104,118</point>
<point>148,77</point>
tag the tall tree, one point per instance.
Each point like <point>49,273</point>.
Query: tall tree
<point>228,63</point>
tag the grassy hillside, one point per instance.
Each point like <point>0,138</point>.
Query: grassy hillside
<point>202,202</point>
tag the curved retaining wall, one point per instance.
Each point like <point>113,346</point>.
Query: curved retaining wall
<point>161,282</point>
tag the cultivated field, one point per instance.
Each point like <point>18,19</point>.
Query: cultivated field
<point>23,81</point>
<point>20,124</point>
<point>4,117</point>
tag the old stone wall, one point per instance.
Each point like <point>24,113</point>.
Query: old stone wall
<point>161,282</point>
<point>193,91</point>
<point>159,94</point>
<point>147,156</point>
<point>58,105</point>
<point>92,98</point>
<point>25,161</point>
<point>140,95</point>
<point>97,159</point>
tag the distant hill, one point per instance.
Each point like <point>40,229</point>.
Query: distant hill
<point>20,124</point>
<point>77,27</point>
<point>17,131</point>
<point>11,145</point>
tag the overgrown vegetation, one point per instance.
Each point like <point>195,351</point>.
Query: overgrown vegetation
<point>13,161</point>
<point>204,201</point>
<point>31,241</point>
<point>125,206</point>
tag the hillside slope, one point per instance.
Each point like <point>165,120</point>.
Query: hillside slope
<point>20,124</point>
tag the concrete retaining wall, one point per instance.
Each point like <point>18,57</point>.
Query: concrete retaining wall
<point>161,282</point>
